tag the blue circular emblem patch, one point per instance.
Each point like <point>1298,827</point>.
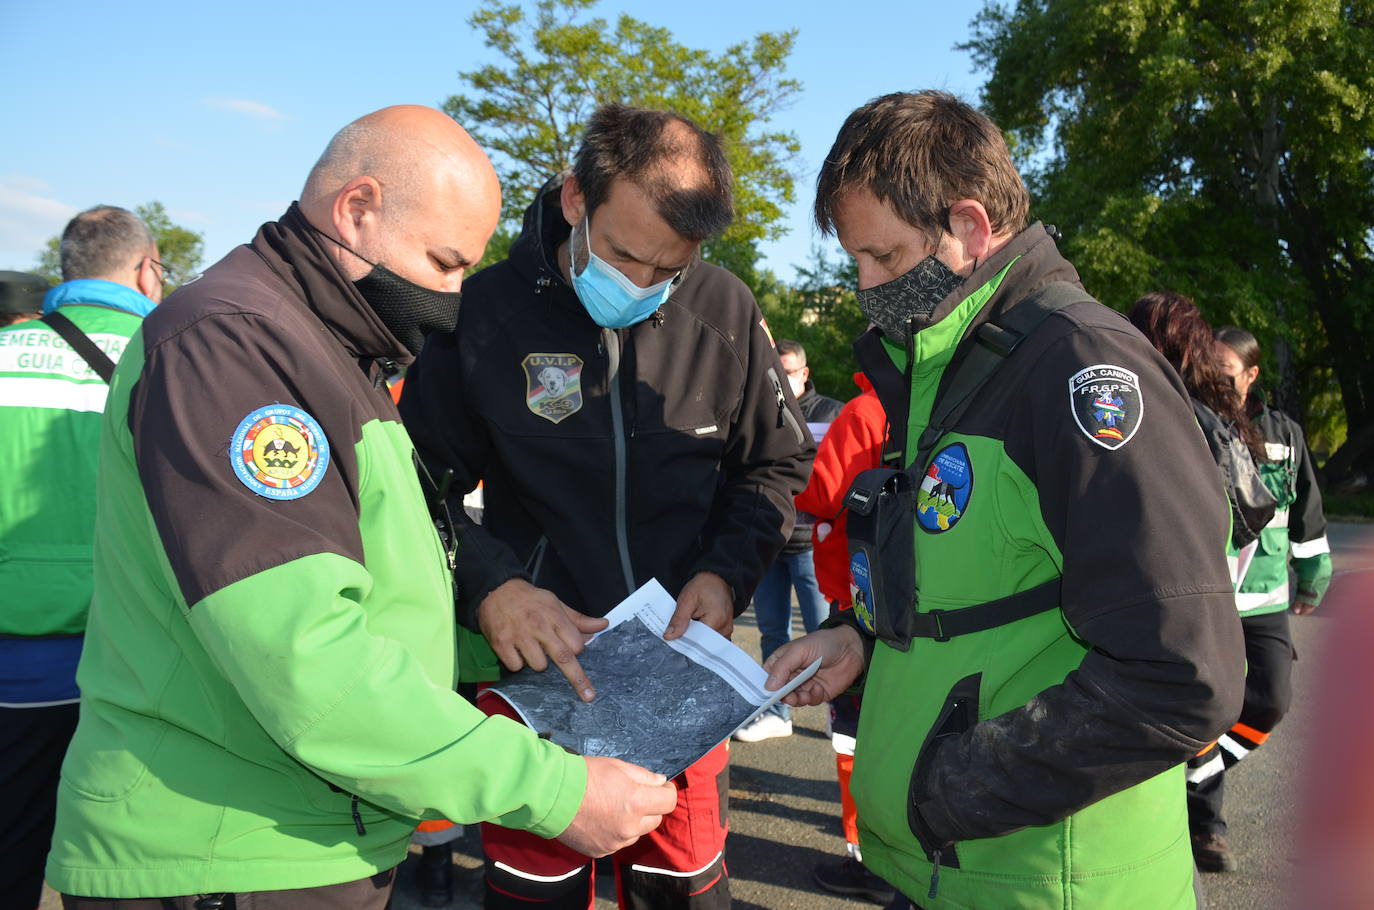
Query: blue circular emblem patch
<point>279,452</point>
<point>945,490</point>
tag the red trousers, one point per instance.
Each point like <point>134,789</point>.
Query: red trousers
<point>680,865</point>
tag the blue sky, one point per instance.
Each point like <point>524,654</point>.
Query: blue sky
<point>219,110</point>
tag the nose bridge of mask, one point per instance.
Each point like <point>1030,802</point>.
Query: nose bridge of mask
<point>620,278</point>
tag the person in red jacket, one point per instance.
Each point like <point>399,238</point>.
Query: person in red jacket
<point>854,443</point>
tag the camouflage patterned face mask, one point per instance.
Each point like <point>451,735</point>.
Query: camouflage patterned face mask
<point>891,306</point>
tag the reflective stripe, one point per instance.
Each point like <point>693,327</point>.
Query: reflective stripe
<point>843,745</point>
<point>1280,519</point>
<point>530,876</point>
<point>56,394</point>
<point>675,874</point>
<point>40,704</point>
<point>1277,451</point>
<point>1235,748</point>
<point>1233,569</point>
<point>1311,548</point>
<point>1250,733</point>
<point>1256,599</point>
<point>1213,767</point>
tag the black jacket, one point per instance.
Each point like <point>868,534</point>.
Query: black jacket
<point>818,408</point>
<point>608,457</point>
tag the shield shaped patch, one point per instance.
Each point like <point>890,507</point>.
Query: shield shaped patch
<point>1106,404</point>
<point>945,490</point>
<point>553,385</point>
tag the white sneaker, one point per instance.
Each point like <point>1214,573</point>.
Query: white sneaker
<point>766,726</point>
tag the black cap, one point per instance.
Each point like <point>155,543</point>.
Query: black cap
<point>22,292</point>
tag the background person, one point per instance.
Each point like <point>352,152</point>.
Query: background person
<point>1296,535</point>
<point>267,687</point>
<point>51,400</point>
<point>1074,637</point>
<point>794,570</point>
<point>669,449</point>
<point>853,443</point>
<point>21,296</point>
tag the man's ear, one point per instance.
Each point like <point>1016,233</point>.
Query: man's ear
<point>355,207</point>
<point>971,229</point>
<point>149,284</point>
<point>573,202</point>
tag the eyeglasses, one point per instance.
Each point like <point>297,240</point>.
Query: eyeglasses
<point>168,276</point>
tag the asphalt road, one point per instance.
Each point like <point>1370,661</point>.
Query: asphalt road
<point>784,814</point>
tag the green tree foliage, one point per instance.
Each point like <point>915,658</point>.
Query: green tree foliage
<point>179,248</point>
<point>1224,150</point>
<point>557,67</point>
<point>821,312</point>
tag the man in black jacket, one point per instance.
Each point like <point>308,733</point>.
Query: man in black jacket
<point>628,417</point>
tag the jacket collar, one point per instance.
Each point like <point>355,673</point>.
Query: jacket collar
<point>294,250</point>
<point>98,292</point>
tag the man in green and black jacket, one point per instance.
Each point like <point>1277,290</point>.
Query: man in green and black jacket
<point>1068,637</point>
<point>268,702</point>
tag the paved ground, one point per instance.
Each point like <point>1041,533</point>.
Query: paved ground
<point>784,800</point>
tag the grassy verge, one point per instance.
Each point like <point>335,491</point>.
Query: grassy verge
<point>1350,506</point>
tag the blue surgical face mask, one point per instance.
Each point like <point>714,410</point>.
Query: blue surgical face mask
<point>611,299</point>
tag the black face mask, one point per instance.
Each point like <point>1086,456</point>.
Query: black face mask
<point>408,310</point>
<point>891,306</point>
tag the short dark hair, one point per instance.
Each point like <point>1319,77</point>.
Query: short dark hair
<point>920,152</point>
<point>634,144</point>
<point>101,241</point>
<point>788,346</point>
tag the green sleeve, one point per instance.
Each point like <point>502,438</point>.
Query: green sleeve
<point>356,707</point>
<point>1314,576</point>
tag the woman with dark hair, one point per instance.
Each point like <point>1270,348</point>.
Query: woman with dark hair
<point>1172,323</point>
<point>1297,530</point>
<point>1177,329</point>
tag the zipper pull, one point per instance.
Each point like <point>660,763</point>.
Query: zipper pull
<point>934,875</point>
<point>358,818</point>
<point>542,282</point>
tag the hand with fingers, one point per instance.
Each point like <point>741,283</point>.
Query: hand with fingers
<point>841,653</point>
<point>623,803</point>
<point>530,627</point>
<point>706,598</point>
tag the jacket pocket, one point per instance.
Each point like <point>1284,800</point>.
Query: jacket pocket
<point>957,715</point>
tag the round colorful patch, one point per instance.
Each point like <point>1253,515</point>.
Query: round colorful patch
<point>945,490</point>
<point>279,452</point>
<point>861,591</point>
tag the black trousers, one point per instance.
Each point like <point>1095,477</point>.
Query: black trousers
<point>364,894</point>
<point>32,744</point>
<point>1269,657</point>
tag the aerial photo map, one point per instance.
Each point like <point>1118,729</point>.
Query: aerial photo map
<point>659,704</point>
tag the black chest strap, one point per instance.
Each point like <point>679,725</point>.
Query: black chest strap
<point>995,342</point>
<point>80,342</point>
<point>942,625</point>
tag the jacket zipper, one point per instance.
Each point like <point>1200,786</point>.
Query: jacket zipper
<point>622,540</point>
<point>785,418</point>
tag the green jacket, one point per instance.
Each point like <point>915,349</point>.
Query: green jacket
<point>267,685</point>
<point>50,407</point>
<point>1298,528</point>
<point>1037,764</point>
